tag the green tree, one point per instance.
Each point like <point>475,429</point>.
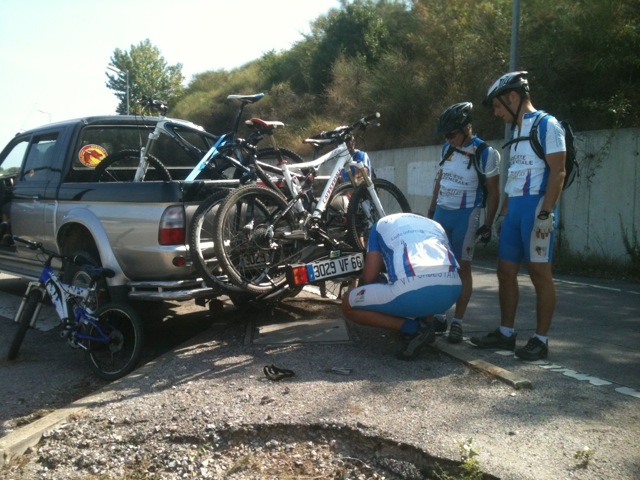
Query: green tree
<point>147,74</point>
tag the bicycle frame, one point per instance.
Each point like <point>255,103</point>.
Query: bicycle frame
<point>59,296</point>
<point>344,160</point>
<point>163,126</point>
<point>213,152</point>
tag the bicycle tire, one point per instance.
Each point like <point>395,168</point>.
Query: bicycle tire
<point>251,258</point>
<point>121,167</point>
<point>118,357</point>
<point>201,241</point>
<point>335,213</point>
<point>362,214</point>
<point>24,321</point>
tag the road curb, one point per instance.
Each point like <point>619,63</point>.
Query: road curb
<point>506,376</point>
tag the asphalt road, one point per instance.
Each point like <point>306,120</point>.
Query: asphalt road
<point>594,338</point>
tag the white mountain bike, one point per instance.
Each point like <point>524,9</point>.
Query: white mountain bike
<point>257,232</point>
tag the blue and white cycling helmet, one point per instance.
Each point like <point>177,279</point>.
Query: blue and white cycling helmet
<point>507,82</point>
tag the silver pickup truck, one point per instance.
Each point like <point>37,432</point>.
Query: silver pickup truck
<point>136,229</point>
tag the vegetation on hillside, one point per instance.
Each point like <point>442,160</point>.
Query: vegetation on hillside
<point>408,60</point>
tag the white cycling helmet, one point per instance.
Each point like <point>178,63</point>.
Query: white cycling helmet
<point>507,82</point>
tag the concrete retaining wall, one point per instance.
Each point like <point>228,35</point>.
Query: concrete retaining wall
<point>596,212</point>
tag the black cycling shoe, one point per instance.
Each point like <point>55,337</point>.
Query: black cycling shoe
<point>495,339</point>
<point>535,349</point>
<point>455,333</point>
<point>440,324</point>
<point>423,338</point>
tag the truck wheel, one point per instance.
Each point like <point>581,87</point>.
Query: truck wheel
<point>77,275</point>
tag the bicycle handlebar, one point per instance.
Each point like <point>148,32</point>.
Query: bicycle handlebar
<point>338,134</point>
<point>154,103</point>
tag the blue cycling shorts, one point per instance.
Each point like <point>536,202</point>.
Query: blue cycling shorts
<point>460,226</point>
<point>418,296</point>
<point>518,241</point>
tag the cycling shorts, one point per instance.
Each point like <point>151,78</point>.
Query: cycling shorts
<point>518,241</point>
<point>461,226</point>
<point>418,296</point>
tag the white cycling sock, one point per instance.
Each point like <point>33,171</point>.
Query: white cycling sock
<point>506,331</point>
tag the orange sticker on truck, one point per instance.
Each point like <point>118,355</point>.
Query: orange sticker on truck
<point>92,155</point>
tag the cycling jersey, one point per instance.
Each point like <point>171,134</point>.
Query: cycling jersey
<point>422,270</point>
<point>528,174</point>
<point>411,245</point>
<point>459,183</point>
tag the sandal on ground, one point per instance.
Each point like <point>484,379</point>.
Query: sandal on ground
<point>274,373</point>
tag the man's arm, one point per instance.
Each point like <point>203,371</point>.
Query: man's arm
<point>373,265</point>
<point>434,195</point>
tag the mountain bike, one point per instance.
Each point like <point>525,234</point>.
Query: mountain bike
<point>110,334</point>
<point>257,232</point>
<point>225,159</point>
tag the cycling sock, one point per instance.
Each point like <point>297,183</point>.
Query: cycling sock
<point>409,326</point>
<point>507,331</point>
<point>542,338</point>
<point>456,320</point>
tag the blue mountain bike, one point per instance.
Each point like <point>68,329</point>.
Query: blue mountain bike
<point>110,334</point>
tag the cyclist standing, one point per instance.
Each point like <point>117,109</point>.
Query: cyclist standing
<point>458,200</point>
<point>533,189</point>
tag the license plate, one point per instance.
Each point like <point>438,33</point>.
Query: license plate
<point>324,269</point>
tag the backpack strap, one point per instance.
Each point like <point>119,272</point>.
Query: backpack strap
<point>533,137</point>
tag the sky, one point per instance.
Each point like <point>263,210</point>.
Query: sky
<point>54,53</point>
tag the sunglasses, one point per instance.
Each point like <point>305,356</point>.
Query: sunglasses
<point>451,135</point>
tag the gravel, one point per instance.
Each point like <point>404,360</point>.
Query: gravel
<point>207,411</point>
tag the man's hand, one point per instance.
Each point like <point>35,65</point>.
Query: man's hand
<point>544,224</point>
<point>497,224</point>
<point>483,234</point>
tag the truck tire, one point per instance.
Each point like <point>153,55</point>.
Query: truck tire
<point>77,275</point>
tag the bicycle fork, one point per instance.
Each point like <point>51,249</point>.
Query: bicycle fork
<point>31,286</point>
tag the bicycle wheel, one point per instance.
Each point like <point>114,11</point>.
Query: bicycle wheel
<point>253,239</point>
<point>201,240</point>
<point>121,353</point>
<point>362,214</point>
<point>121,167</point>
<point>24,321</point>
<point>335,214</point>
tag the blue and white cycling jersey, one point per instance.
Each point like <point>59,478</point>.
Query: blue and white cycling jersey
<point>411,245</point>
<point>528,174</point>
<point>459,184</point>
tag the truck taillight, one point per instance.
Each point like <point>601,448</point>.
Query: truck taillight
<point>172,226</point>
<point>297,275</point>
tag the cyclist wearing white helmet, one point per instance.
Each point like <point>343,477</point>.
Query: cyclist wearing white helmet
<point>533,189</point>
<point>458,199</point>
